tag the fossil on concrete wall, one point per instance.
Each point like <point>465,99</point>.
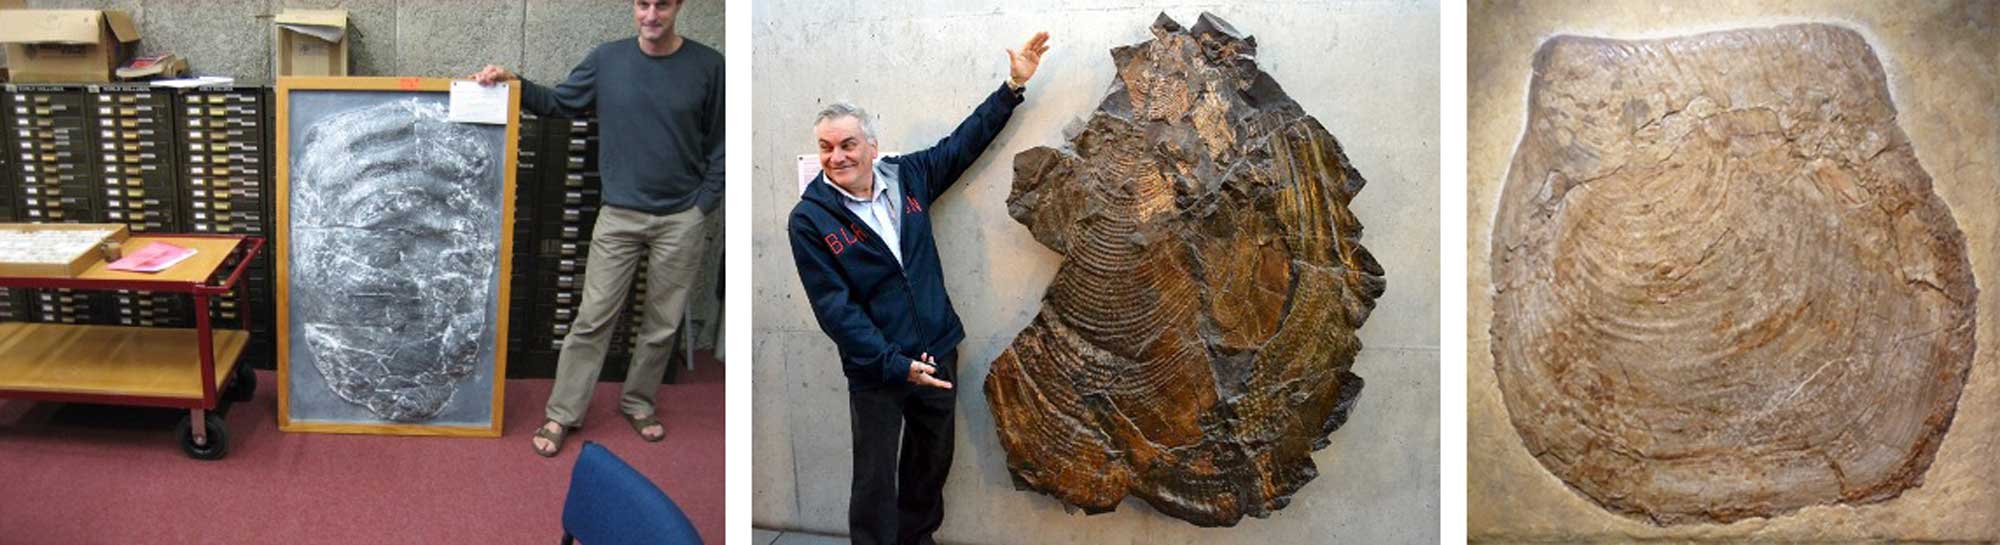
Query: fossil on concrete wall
<point>1723,285</point>
<point>1194,347</point>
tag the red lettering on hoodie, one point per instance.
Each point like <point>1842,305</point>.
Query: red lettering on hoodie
<point>833,244</point>
<point>848,236</point>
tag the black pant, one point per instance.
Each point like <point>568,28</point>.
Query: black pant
<point>900,499</point>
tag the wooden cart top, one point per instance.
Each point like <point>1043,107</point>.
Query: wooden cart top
<point>191,275</point>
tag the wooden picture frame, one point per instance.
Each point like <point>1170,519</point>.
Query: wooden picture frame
<point>353,356</point>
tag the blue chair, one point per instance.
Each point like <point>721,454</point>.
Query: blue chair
<point>609,503</point>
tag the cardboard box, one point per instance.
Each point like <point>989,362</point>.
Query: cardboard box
<point>8,4</point>
<point>79,258</point>
<point>66,46</point>
<point>309,43</point>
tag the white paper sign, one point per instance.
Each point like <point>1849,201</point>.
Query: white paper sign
<point>186,83</point>
<point>475,103</point>
<point>808,169</point>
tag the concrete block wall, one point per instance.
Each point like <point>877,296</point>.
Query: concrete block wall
<point>1367,70</point>
<point>538,39</point>
<point>1938,57</point>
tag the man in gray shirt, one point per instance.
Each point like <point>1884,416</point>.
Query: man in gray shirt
<point>659,100</point>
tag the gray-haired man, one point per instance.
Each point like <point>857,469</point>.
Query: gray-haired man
<point>861,237</point>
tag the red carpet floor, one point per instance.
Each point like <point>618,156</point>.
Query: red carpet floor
<point>85,474</point>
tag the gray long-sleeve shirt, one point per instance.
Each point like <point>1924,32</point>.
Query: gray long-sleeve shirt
<point>660,122</point>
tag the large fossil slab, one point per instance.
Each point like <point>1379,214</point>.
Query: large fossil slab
<point>1193,349</point>
<point>394,225</point>
<point>1723,285</point>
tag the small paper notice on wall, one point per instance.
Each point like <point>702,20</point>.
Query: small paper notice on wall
<point>475,103</point>
<point>808,169</point>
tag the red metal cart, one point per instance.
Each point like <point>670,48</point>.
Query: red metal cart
<point>149,366</point>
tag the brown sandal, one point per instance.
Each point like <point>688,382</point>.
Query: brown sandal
<point>555,438</point>
<point>640,423</point>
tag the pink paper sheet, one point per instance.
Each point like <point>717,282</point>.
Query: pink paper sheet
<point>155,257</point>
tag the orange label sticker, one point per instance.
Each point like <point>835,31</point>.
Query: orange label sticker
<point>407,84</point>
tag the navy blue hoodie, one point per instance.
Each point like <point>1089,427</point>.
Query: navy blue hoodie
<point>881,314</point>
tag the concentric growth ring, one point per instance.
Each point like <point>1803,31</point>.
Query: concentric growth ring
<point>1723,285</point>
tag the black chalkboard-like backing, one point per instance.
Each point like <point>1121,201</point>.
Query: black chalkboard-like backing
<point>392,237</point>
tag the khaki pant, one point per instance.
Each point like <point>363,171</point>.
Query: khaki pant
<point>672,245</point>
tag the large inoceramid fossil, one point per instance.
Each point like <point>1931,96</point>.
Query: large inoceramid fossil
<point>388,235</point>
<point>1193,349</point>
<point>1723,286</point>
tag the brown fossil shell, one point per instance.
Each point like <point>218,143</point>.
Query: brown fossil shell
<point>1194,347</point>
<point>1723,285</point>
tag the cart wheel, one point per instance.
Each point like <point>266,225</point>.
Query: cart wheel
<point>244,386</point>
<point>218,439</point>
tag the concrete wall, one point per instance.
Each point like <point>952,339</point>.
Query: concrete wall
<point>539,39</point>
<point>1940,59</point>
<point>1368,71</point>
